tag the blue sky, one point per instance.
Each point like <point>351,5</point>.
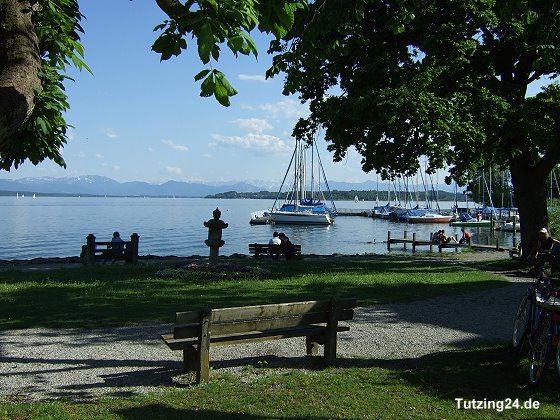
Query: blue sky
<point>141,119</point>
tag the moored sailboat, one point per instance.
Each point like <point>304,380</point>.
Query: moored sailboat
<point>304,204</point>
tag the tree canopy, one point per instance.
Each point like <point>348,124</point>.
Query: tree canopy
<point>443,79</point>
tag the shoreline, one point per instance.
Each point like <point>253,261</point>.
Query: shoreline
<point>51,263</point>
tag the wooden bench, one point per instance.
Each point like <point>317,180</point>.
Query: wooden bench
<point>94,251</point>
<point>195,331</point>
<point>272,250</point>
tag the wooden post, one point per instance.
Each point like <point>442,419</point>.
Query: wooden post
<point>497,244</point>
<point>332,325</point>
<point>90,249</point>
<point>134,240</point>
<point>456,241</point>
<point>414,242</point>
<point>388,240</point>
<point>203,362</point>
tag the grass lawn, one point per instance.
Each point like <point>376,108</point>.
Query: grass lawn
<point>119,295</point>
<point>426,387</point>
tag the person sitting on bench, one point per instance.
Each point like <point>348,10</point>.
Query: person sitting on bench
<point>275,240</point>
<point>286,247</point>
<point>116,248</point>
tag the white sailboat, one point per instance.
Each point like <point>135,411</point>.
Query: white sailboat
<point>305,202</point>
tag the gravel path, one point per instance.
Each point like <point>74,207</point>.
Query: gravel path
<point>77,363</point>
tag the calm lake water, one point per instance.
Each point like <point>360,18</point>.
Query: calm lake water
<point>57,227</point>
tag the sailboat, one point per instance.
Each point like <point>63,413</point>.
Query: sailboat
<point>303,205</point>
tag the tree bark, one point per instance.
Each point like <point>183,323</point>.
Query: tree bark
<point>529,185</point>
<point>20,62</point>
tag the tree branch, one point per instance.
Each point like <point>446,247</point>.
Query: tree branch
<point>172,8</point>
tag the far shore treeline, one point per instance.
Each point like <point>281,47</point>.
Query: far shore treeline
<point>337,195</point>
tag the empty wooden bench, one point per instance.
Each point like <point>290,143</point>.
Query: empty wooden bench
<point>196,331</point>
<point>93,251</point>
<point>268,249</point>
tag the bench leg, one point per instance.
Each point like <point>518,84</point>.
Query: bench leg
<point>189,358</point>
<point>330,337</point>
<point>312,345</point>
<point>203,354</point>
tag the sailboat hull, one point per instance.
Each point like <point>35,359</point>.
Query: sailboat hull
<point>301,218</point>
<point>428,218</point>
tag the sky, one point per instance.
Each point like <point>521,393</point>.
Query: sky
<point>139,119</point>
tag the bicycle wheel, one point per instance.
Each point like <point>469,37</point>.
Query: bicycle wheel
<point>522,322</point>
<point>558,359</point>
<point>539,354</point>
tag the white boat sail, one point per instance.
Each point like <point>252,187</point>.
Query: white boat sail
<point>304,203</point>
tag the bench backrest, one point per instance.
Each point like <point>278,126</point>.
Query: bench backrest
<point>262,317</point>
<point>260,247</point>
<point>115,244</point>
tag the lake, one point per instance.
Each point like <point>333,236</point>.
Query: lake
<point>58,226</point>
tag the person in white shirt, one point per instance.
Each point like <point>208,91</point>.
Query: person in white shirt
<point>275,240</point>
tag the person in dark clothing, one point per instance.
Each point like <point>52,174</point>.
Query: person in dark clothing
<point>547,248</point>
<point>286,247</point>
<point>116,248</point>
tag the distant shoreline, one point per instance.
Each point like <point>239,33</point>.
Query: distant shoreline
<point>362,195</point>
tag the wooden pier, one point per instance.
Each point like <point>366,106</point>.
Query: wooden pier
<point>414,242</point>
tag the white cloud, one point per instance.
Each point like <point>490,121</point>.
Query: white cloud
<point>253,77</point>
<point>287,108</point>
<point>174,170</point>
<point>109,132</point>
<point>256,125</point>
<point>258,142</point>
<point>175,146</point>
<point>99,156</point>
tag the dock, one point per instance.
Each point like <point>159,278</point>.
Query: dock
<point>414,242</point>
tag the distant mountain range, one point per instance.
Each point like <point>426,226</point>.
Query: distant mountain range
<point>100,185</point>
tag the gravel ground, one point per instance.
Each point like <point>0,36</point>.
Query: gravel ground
<point>44,363</point>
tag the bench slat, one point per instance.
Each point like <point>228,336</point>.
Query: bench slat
<point>255,336</point>
<point>264,311</point>
<point>258,249</point>
<point>260,324</point>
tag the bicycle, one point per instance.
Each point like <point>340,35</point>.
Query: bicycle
<point>545,334</point>
<point>526,312</point>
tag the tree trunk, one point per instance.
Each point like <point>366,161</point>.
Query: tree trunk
<point>529,184</point>
<point>20,62</point>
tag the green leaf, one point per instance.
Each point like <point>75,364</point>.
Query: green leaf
<point>216,52</point>
<point>207,86</point>
<point>205,42</point>
<point>201,75</point>
<point>223,82</point>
